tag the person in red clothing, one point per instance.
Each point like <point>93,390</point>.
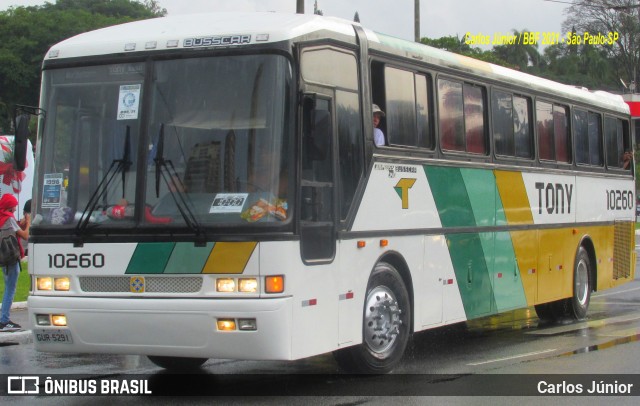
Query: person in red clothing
<point>10,271</point>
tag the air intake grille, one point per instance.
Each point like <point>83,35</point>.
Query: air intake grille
<point>623,246</point>
<point>153,284</point>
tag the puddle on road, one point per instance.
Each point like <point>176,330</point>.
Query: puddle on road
<point>603,346</point>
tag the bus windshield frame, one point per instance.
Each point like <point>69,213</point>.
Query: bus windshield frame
<point>199,142</point>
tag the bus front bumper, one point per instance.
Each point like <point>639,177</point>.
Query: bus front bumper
<point>165,327</point>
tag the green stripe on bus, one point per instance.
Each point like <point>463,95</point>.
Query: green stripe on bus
<point>508,287</point>
<point>471,272</point>
<point>150,258</point>
<point>466,250</point>
<point>507,282</point>
<point>480,186</point>
<point>485,263</point>
<point>451,197</point>
<point>188,259</point>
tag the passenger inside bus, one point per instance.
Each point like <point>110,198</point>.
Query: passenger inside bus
<point>627,159</point>
<point>378,135</point>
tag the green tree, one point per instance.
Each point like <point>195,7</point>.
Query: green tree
<point>519,54</point>
<point>28,32</point>
<point>459,46</point>
<point>611,16</point>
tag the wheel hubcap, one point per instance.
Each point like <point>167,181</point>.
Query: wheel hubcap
<point>582,283</point>
<point>381,319</point>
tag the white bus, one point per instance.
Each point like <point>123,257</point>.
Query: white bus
<point>208,187</point>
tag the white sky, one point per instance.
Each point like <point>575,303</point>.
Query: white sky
<point>395,17</point>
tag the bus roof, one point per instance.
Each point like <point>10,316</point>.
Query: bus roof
<point>241,29</point>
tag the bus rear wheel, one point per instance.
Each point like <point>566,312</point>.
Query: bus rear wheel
<point>386,325</point>
<point>578,304</point>
<point>177,363</point>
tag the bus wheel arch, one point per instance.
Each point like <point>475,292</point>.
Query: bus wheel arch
<point>398,262</point>
<point>386,322</point>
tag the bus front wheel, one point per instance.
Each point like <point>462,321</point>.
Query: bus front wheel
<point>177,363</point>
<point>386,325</point>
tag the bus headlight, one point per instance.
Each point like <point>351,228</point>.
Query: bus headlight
<point>248,285</point>
<point>45,283</point>
<point>62,283</point>
<point>225,285</point>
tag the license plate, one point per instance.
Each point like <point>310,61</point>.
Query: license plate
<point>53,336</point>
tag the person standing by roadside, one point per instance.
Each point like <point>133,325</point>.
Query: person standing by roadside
<point>24,221</point>
<point>10,254</point>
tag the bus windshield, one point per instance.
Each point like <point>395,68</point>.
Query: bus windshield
<point>201,141</point>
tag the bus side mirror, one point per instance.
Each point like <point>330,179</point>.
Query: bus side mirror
<point>21,141</point>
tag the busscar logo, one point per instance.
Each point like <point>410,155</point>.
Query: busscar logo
<point>23,385</point>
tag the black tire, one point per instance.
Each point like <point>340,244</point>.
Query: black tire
<point>553,311</point>
<point>545,312</point>
<point>578,304</point>
<point>386,325</point>
<point>177,363</point>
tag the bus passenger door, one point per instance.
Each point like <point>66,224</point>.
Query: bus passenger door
<point>317,226</point>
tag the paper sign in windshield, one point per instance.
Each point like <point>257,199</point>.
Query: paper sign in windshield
<point>51,190</point>
<point>228,203</point>
<point>128,102</point>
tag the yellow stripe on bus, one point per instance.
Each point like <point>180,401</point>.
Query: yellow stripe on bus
<point>229,257</point>
<point>514,197</point>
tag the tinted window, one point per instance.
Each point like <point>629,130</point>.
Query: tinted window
<point>595,139</point>
<point>451,115</point>
<point>553,132</point>
<point>588,136</point>
<point>422,112</point>
<point>561,134</point>
<point>544,124</point>
<point>474,118</point>
<point>522,127</point>
<point>462,111</point>
<point>350,143</point>
<point>502,110</point>
<point>319,66</point>
<point>407,108</point>
<point>511,125</point>
<point>617,141</point>
<point>401,107</point>
<point>581,130</point>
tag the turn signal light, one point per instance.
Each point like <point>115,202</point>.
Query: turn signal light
<point>274,284</point>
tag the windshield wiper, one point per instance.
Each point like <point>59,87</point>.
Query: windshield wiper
<point>117,165</point>
<point>166,171</point>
